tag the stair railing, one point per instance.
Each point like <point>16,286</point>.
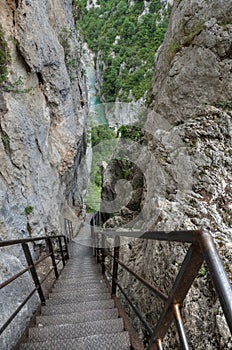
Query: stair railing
<point>57,255</point>
<point>202,249</point>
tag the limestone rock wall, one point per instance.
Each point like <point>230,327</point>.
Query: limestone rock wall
<point>186,163</point>
<point>43,117</point>
<point>44,120</point>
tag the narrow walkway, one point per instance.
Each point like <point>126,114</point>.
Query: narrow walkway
<point>79,314</point>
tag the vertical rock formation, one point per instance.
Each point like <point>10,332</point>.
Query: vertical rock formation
<point>186,161</point>
<point>43,113</point>
<point>43,119</point>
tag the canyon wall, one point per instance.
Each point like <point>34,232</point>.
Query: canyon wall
<point>43,117</point>
<point>185,158</point>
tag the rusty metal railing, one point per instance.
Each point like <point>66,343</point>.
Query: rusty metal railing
<point>202,249</point>
<point>60,254</point>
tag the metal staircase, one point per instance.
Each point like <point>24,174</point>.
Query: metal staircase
<point>79,313</point>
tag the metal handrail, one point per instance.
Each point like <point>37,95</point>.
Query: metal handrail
<point>202,249</point>
<point>63,249</point>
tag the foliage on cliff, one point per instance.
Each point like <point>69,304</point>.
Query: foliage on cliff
<point>103,143</point>
<point>4,57</point>
<point>125,36</point>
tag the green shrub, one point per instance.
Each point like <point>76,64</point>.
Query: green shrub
<point>5,57</point>
<point>203,271</point>
<point>28,210</point>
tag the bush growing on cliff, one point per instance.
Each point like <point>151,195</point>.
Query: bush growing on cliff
<point>101,133</point>
<point>5,58</point>
<point>101,137</point>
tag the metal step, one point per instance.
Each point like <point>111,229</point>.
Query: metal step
<point>81,267</point>
<point>77,307</point>
<point>80,262</point>
<point>116,341</point>
<point>76,269</point>
<point>78,283</point>
<point>93,315</point>
<point>78,330</point>
<point>82,289</point>
<point>81,279</point>
<point>72,265</point>
<point>86,289</point>
<point>68,299</point>
<point>81,275</point>
<point>81,271</point>
<point>75,263</point>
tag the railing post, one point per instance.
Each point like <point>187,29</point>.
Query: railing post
<point>93,238</point>
<point>103,253</point>
<point>219,277</point>
<point>66,228</point>
<point>115,264</point>
<point>66,247</point>
<point>97,249</point>
<point>187,273</point>
<point>35,277</point>
<point>71,230</point>
<point>51,251</point>
<point>61,251</point>
<point>180,327</point>
<point>159,344</point>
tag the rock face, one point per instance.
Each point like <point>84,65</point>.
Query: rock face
<point>186,163</point>
<point>42,127</point>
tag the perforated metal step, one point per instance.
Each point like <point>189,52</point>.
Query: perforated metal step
<point>77,307</point>
<point>80,280</point>
<point>85,289</point>
<point>77,267</point>
<point>117,341</point>
<point>82,275</point>
<point>67,299</point>
<point>93,315</point>
<point>78,330</point>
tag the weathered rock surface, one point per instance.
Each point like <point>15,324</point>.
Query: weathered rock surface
<point>43,108</point>
<point>186,163</point>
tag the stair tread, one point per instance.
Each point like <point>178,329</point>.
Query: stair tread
<point>80,271</point>
<point>85,289</point>
<point>81,268</point>
<point>67,299</point>
<point>77,290</point>
<point>81,276</point>
<point>92,315</point>
<point>76,279</point>
<point>77,307</point>
<point>115,341</point>
<point>77,330</point>
<point>76,284</point>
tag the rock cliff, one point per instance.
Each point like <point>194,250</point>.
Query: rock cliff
<point>186,163</point>
<point>43,116</point>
